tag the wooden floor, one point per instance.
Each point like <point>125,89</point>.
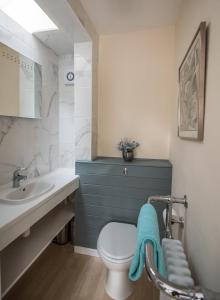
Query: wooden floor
<point>61,274</point>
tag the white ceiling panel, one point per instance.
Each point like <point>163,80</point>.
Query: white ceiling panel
<point>115,16</point>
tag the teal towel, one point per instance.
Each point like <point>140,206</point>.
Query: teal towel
<point>147,231</point>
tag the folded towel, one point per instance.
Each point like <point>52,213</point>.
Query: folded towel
<point>172,247</point>
<point>170,242</point>
<point>147,231</point>
<point>182,263</point>
<point>181,271</point>
<point>176,264</point>
<point>175,255</point>
<point>184,281</point>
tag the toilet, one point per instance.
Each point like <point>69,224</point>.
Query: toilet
<point>116,246</point>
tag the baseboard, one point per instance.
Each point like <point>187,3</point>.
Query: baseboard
<point>86,251</point>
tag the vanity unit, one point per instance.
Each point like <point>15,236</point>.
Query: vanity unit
<point>27,228</point>
<point>114,190</point>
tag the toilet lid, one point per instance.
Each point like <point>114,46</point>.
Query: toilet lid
<point>117,240</point>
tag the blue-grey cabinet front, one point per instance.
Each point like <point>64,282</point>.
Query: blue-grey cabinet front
<point>114,190</point>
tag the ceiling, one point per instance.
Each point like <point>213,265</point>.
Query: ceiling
<point>70,29</point>
<point>57,41</point>
<point>115,16</point>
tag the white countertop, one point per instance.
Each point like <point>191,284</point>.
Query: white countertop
<point>12,213</point>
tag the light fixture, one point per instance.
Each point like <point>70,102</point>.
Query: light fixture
<point>28,14</point>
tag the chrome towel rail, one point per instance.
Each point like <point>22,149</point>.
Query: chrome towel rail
<point>169,200</point>
<point>164,285</point>
<point>171,289</point>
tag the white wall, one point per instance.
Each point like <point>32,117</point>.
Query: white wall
<point>27,142</point>
<point>75,106</point>
<point>196,165</point>
<point>66,114</point>
<point>136,75</point>
<point>90,29</point>
<point>83,100</point>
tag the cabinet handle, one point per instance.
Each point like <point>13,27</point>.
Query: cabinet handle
<point>125,171</point>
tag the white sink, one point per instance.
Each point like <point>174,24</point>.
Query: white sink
<point>25,192</point>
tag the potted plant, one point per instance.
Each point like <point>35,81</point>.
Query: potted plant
<point>127,147</point>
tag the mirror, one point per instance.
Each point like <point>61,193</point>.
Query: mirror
<point>20,85</point>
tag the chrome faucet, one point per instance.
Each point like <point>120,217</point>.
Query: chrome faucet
<point>17,177</point>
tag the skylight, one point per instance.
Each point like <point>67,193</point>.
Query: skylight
<point>28,14</point>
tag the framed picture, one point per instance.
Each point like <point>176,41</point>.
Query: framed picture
<point>192,88</point>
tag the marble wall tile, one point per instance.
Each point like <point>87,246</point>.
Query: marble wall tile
<point>84,50</point>
<point>83,153</point>
<point>83,100</point>
<point>67,155</point>
<point>30,143</point>
<point>83,132</point>
<point>64,133</point>
<point>75,107</point>
<point>66,115</point>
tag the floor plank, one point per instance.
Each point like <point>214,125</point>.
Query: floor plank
<point>61,274</point>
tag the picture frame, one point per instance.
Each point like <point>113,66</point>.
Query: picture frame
<point>192,88</point>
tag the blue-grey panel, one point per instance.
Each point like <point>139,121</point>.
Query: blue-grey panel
<point>125,181</point>
<point>87,229</point>
<point>162,163</point>
<point>88,241</point>
<point>116,213</point>
<point>118,191</point>
<point>113,201</point>
<point>89,226</point>
<point>85,212</point>
<point>118,170</point>
<point>106,194</point>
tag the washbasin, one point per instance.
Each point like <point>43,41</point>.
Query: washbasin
<point>26,192</point>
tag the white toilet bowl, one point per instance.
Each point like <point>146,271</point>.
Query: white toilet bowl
<point>116,245</point>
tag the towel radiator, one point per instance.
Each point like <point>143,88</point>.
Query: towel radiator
<point>170,200</point>
<point>164,285</point>
<point>169,288</point>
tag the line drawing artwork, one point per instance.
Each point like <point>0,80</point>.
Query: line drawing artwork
<point>191,90</point>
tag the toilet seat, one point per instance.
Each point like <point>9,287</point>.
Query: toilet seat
<point>117,241</point>
<point>114,260</point>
